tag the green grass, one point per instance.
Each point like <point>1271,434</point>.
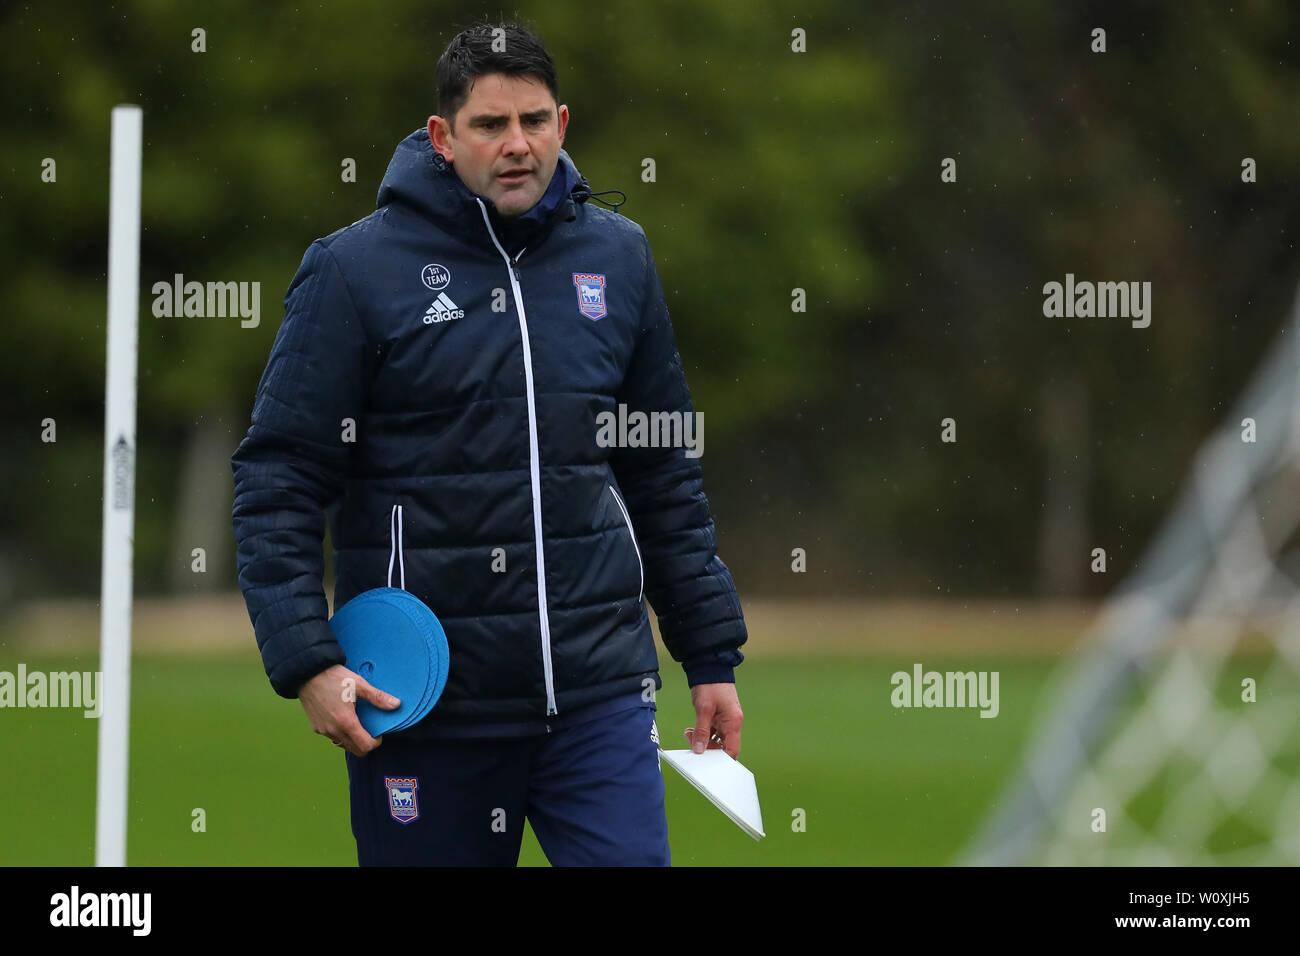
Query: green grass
<point>877,785</point>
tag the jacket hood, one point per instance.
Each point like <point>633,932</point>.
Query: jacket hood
<point>420,179</point>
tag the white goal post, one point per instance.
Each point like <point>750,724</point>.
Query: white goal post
<point>117,552</point>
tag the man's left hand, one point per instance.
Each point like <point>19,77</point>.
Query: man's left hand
<point>717,711</point>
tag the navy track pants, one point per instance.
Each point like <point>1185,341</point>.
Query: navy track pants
<point>593,794</point>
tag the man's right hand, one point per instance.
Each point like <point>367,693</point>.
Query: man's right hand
<point>329,699</point>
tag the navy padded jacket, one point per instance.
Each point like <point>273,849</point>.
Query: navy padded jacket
<point>438,415</point>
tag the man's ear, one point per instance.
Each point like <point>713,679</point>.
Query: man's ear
<point>563,121</point>
<point>440,136</point>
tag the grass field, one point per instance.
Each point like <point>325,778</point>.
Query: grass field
<point>877,785</point>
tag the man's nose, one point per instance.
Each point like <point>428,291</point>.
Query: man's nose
<point>516,142</point>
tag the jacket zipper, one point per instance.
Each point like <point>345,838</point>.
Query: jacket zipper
<point>534,466</point>
<point>627,518</point>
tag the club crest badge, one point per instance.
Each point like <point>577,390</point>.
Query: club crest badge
<point>591,294</point>
<point>403,805</point>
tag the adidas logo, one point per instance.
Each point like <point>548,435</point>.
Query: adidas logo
<point>443,310</point>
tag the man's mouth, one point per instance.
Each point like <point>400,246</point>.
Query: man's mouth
<point>515,176</point>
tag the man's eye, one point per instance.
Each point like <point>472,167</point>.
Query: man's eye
<point>496,124</point>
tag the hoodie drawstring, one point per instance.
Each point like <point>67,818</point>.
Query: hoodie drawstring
<point>395,533</point>
<point>613,206</point>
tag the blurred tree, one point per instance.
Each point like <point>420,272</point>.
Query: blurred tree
<point>776,171</point>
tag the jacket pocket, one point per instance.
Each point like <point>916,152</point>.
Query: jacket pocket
<point>395,559</point>
<point>627,519</point>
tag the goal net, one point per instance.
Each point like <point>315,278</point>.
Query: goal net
<point>1173,737</point>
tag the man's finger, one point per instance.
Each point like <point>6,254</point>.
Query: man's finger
<point>381,699</point>
<point>355,738</point>
<point>732,746</point>
<point>715,742</point>
<point>703,729</point>
<point>360,750</point>
<point>729,728</point>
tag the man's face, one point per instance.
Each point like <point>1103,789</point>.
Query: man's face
<point>509,124</point>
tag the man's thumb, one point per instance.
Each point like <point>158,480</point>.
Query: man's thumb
<point>379,698</point>
<point>700,739</point>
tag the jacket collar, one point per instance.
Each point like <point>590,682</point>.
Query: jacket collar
<point>420,179</point>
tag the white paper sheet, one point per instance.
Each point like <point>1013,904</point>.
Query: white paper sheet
<point>727,783</point>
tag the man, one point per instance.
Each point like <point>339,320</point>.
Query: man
<point>436,385</point>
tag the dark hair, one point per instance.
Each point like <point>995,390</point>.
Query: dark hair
<point>470,55</point>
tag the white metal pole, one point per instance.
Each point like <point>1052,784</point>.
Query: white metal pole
<point>119,485</point>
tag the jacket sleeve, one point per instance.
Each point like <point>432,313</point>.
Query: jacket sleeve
<point>686,583</point>
<point>291,466</point>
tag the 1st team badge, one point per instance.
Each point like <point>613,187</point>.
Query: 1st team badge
<point>403,804</point>
<point>591,294</point>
